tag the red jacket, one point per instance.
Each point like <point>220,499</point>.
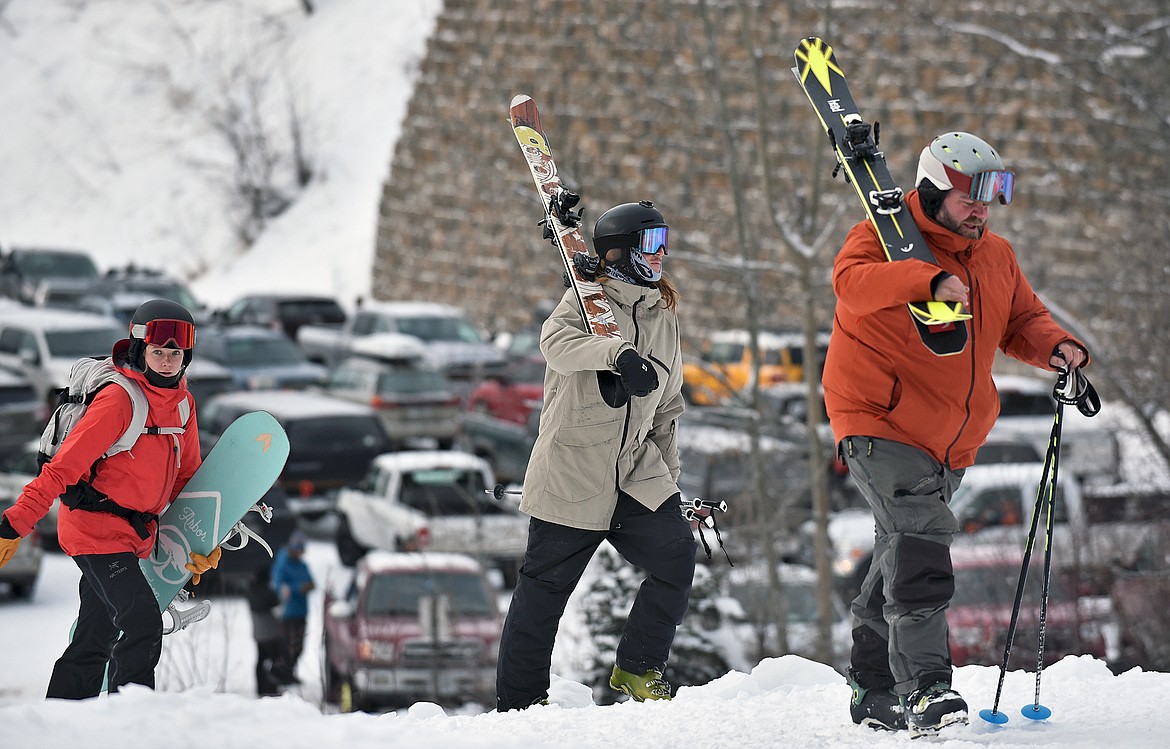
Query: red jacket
<point>145,478</point>
<point>881,381</point>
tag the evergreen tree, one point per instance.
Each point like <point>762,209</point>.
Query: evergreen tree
<point>611,587</point>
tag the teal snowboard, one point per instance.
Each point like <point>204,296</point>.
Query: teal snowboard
<point>241,467</point>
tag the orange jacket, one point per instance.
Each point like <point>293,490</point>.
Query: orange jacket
<point>146,478</point>
<point>881,381</point>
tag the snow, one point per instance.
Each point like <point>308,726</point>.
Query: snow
<point>107,148</point>
<point>206,698</point>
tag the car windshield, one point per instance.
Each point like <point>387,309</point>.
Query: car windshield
<point>408,380</point>
<point>262,351</point>
<point>447,491</point>
<point>175,292</point>
<point>996,585</point>
<point>756,597</point>
<point>437,328</point>
<point>1025,404</point>
<point>307,437</point>
<point>529,372</point>
<point>312,310</point>
<point>725,353</point>
<point>400,593</point>
<point>78,343</point>
<point>57,265</point>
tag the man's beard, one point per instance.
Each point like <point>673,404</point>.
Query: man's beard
<point>944,218</point>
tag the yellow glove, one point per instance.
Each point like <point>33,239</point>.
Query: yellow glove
<point>200,564</point>
<point>8,547</point>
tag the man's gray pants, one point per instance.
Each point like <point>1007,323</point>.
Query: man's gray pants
<point>899,617</point>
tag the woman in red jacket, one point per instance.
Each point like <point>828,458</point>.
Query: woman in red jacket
<point>111,504</point>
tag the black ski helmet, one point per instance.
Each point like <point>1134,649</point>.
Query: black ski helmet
<point>620,228</point>
<point>141,330</point>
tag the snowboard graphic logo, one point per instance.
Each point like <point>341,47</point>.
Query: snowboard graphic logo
<point>175,538</point>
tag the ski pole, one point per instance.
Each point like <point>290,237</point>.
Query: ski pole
<point>1036,711</point>
<point>993,715</point>
<point>499,491</point>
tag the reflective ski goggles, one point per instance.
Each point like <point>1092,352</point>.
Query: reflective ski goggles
<point>166,333</point>
<point>652,241</point>
<point>986,186</point>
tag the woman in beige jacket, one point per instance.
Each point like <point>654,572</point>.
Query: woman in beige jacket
<point>604,473</point>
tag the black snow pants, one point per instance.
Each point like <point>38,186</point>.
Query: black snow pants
<point>658,542</point>
<point>115,597</point>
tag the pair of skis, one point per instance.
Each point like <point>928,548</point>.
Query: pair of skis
<point>941,325</point>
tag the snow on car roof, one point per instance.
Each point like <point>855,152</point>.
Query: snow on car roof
<point>388,561</point>
<point>413,308</point>
<point>413,460</point>
<point>294,403</point>
<point>49,318</point>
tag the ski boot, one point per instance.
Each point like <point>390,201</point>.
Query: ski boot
<point>648,686</point>
<point>932,708</point>
<point>877,708</point>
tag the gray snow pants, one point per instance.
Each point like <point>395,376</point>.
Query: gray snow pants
<point>899,617</point>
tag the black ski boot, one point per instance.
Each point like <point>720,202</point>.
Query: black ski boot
<point>877,708</point>
<point>934,707</point>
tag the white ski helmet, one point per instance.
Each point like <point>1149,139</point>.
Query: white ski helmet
<point>967,162</point>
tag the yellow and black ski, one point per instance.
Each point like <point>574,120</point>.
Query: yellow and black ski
<point>941,325</point>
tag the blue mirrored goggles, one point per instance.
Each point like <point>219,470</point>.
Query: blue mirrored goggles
<point>652,241</point>
<point>987,186</point>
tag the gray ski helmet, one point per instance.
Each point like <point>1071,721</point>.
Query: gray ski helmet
<point>620,228</point>
<point>161,322</point>
<point>956,157</point>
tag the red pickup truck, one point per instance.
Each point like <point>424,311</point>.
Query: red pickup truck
<point>410,627</point>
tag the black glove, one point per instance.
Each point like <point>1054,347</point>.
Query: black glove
<point>638,375</point>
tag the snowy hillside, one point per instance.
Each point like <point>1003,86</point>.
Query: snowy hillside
<point>110,142</point>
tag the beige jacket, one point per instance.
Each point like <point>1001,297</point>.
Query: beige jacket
<point>585,450</point>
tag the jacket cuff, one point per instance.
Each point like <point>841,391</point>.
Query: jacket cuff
<point>6,529</point>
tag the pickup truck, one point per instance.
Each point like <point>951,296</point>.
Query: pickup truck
<point>1088,449</point>
<point>435,500</point>
<point>443,335</point>
<point>1097,531</point>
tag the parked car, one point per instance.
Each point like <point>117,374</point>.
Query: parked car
<point>512,393</point>
<point>258,358</point>
<point>412,400</point>
<point>420,626</point>
<point>23,412</point>
<point>762,604</point>
<point>452,342</point>
<point>43,344</point>
<point>22,571</point>
<point>1088,449</point>
<point>17,468</point>
<point>506,445</point>
<point>33,274</point>
<point>207,379</point>
<point>725,364</point>
<point>284,312</point>
<point>986,577</point>
<point>434,500</point>
<point>119,291</point>
<point>331,441</point>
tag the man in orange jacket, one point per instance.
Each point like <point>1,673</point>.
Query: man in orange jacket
<point>908,422</point>
<point>111,517</point>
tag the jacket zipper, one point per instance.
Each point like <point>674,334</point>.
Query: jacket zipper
<point>629,400</point>
<point>971,348</point>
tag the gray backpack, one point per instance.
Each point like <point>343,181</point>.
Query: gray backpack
<point>87,377</point>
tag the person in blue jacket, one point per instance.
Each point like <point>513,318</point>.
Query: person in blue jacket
<point>292,581</point>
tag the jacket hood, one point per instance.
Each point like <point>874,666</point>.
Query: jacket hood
<point>164,396</point>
